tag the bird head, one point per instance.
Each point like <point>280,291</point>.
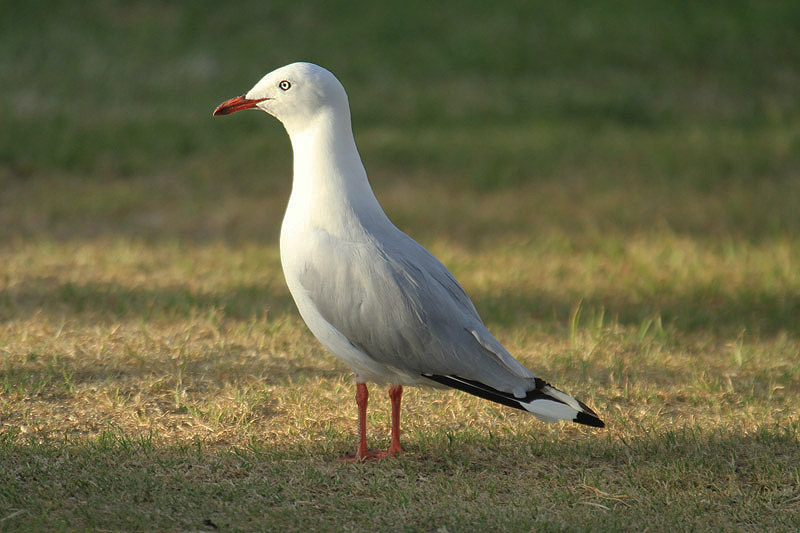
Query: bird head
<point>295,94</point>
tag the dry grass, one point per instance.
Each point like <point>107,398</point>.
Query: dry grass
<point>140,369</point>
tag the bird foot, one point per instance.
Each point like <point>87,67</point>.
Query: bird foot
<point>369,455</point>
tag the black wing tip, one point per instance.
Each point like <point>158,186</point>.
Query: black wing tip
<point>587,417</point>
<point>589,420</point>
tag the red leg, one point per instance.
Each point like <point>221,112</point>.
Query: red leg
<point>363,453</point>
<point>395,394</point>
<point>362,397</point>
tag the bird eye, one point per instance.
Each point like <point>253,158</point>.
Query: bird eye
<point>284,85</point>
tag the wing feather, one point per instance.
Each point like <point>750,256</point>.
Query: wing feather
<point>399,304</point>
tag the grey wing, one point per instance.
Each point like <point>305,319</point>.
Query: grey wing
<point>398,304</point>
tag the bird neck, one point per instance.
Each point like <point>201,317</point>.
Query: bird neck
<point>330,188</point>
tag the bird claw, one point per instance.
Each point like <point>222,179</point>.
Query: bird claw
<point>369,455</point>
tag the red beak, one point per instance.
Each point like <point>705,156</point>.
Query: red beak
<point>236,104</point>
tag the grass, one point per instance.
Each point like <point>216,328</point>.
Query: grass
<point>614,185</point>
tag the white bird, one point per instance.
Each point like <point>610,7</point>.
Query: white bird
<point>373,296</point>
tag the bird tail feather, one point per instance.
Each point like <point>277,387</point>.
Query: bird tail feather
<point>544,401</point>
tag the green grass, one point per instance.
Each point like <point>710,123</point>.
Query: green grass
<point>615,185</point>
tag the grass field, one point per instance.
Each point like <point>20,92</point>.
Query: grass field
<point>616,186</point>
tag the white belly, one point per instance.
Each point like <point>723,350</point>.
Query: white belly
<point>366,368</point>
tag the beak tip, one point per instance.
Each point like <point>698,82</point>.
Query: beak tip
<point>236,104</point>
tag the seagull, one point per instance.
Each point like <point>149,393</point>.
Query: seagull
<point>372,295</point>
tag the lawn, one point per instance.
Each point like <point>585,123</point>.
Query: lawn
<point>615,185</point>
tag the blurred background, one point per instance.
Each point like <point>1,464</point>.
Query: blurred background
<point>476,121</point>
<point>554,138</point>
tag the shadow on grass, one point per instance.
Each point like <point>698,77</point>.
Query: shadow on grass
<point>723,311</point>
<point>746,477</point>
<point>58,377</point>
<point>206,364</point>
<point>109,302</point>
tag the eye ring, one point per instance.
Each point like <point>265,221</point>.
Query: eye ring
<point>285,85</point>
